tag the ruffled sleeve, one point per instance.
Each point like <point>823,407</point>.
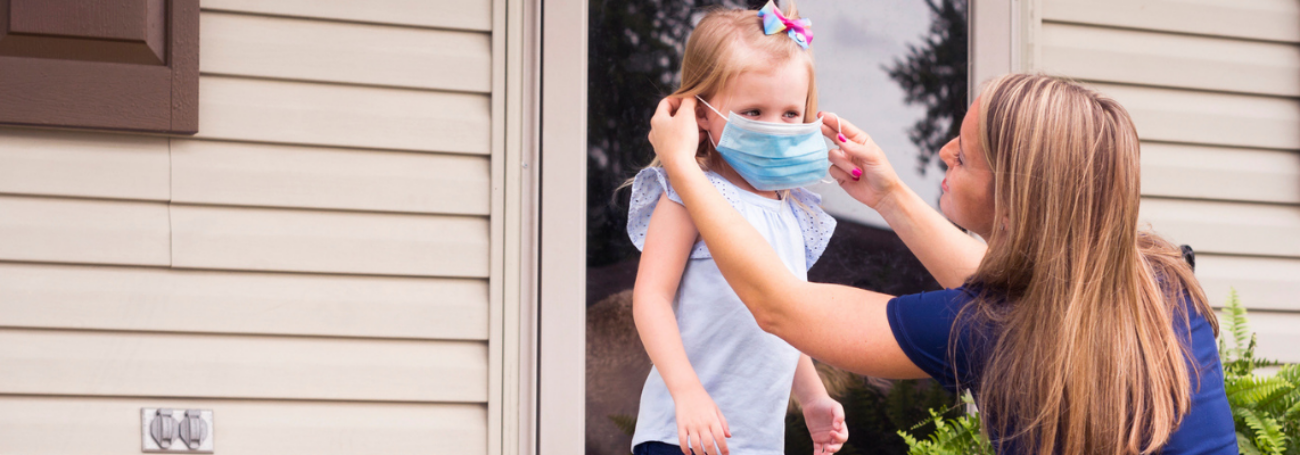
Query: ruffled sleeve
<point>817,225</point>
<point>647,187</point>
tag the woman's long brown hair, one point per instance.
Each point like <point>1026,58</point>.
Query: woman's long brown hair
<point>1084,357</point>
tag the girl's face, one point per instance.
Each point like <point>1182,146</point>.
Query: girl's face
<point>968,185</point>
<point>778,95</point>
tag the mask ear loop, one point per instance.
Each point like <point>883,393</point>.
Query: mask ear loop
<point>839,128</point>
<point>715,111</point>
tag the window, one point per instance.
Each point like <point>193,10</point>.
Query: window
<point>897,69</point>
<point>105,64</point>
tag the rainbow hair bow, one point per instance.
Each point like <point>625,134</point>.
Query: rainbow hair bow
<point>800,30</point>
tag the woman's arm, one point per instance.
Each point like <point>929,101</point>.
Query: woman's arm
<point>840,325</point>
<point>668,244</point>
<point>948,253</point>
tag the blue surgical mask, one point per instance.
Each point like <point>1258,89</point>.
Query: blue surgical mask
<point>773,156</point>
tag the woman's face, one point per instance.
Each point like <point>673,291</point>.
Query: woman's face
<point>968,185</point>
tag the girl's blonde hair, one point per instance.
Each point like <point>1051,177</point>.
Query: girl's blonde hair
<point>728,42</point>
<point>1085,357</point>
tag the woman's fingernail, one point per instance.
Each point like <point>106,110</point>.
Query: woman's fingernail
<point>857,173</point>
<point>841,137</point>
<point>819,114</point>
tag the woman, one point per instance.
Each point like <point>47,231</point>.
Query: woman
<point>1076,332</point>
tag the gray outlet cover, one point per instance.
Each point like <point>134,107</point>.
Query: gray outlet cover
<point>189,430</point>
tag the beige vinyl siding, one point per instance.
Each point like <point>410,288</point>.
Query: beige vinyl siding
<point>1214,88</point>
<point>40,425</point>
<point>315,265</point>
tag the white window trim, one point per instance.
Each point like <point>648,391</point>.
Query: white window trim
<point>1003,39</point>
<point>562,266</point>
<point>545,333</point>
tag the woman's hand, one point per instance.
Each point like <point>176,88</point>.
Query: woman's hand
<point>875,180</point>
<point>700,424</point>
<point>825,420</point>
<point>674,132</point>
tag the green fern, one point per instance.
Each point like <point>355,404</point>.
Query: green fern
<point>960,435</point>
<point>1266,409</point>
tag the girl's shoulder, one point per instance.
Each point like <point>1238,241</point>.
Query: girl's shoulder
<point>649,186</point>
<point>652,183</point>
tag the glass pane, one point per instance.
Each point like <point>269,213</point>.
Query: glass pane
<point>897,69</point>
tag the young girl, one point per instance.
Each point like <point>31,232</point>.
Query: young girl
<point>719,382</point>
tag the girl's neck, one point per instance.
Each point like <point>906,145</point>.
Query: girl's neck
<point>720,167</point>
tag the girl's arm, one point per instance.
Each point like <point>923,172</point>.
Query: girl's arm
<point>950,255</point>
<point>822,414</point>
<point>668,244</point>
<point>840,325</point>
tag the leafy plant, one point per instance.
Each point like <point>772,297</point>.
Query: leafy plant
<point>955,435</point>
<point>1266,409</point>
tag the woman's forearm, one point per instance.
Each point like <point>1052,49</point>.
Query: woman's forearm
<point>948,253</point>
<point>751,267</point>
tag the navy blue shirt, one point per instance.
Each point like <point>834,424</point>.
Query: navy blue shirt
<point>922,324</point>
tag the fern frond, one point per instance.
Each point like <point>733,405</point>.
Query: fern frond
<point>1235,313</point>
<point>1245,446</point>
<point>1268,435</point>
<point>1256,391</point>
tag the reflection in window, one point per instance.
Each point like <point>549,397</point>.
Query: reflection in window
<point>897,69</point>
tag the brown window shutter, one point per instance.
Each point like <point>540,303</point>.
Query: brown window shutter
<point>102,64</point>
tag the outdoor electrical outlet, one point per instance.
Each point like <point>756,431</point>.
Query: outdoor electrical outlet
<point>176,430</point>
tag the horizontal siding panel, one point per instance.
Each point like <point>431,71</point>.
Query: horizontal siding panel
<point>235,173</point>
<point>79,230</point>
<point>152,299</point>
<point>1210,118</point>
<point>466,15</point>
<point>330,242</point>
<point>275,47</point>
<point>1189,171</point>
<point>64,163</point>
<point>1273,20</point>
<point>41,426</point>
<point>1162,59</point>
<point>212,366</point>
<point>1263,283</point>
<point>1278,334</point>
<point>349,116</point>
<point>1226,227</point>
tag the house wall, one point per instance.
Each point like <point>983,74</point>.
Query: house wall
<point>319,265</point>
<point>1214,88</point>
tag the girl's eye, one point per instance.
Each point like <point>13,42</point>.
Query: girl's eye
<point>792,114</point>
<point>750,113</point>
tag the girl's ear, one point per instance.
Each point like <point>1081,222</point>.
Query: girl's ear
<point>702,116</point>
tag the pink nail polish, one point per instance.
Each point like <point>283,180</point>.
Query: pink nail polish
<point>841,137</point>
<point>857,173</point>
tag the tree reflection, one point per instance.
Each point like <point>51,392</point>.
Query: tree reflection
<point>934,75</point>
<point>635,50</point>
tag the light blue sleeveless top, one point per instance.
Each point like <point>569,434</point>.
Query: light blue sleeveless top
<point>746,371</point>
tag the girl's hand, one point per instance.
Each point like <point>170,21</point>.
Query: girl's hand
<point>674,133</point>
<point>825,420</point>
<point>700,424</point>
<point>859,165</point>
